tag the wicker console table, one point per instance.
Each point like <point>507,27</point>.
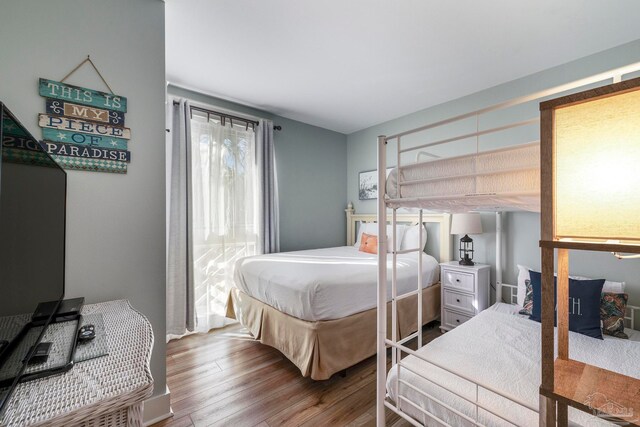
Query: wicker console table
<point>106,391</point>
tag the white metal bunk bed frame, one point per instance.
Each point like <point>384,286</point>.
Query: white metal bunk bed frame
<point>398,347</point>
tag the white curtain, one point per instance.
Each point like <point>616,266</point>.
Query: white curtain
<point>225,220</point>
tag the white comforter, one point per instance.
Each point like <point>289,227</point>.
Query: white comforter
<point>502,352</point>
<point>325,284</point>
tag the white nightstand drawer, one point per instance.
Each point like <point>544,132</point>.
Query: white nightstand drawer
<point>465,292</point>
<point>458,280</point>
<point>460,302</point>
<point>453,319</point>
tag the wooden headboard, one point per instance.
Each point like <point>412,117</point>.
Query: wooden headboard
<point>444,220</point>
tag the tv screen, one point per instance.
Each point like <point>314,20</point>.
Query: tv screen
<point>32,239</point>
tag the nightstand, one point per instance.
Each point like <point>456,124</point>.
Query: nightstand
<point>465,292</point>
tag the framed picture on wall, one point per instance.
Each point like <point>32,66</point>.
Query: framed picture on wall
<point>368,184</point>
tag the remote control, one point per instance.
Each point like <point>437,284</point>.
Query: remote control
<point>86,333</point>
<point>40,355</point>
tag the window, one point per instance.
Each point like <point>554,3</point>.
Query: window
<point>224,210</point>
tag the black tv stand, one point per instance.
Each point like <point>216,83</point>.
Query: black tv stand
<point>41,320</point>
<point>68,309</point>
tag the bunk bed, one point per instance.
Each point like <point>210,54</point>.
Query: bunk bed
<point>475,392</point>
<point>318,307</point>
<point>453,380</point>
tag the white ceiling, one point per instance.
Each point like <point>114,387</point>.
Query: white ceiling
<point>349,64</point>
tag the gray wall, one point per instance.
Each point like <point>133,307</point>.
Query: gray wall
<point>312,170</point>
<point>115,223</point>
<point>522,229</point>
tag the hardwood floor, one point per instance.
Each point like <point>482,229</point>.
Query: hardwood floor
<point>226,378</point>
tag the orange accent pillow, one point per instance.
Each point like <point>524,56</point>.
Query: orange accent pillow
<point>369,243</point>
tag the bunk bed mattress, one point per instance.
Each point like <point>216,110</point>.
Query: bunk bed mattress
<point>510,363</point>
<point>326,284</point>
<point>507,178</point>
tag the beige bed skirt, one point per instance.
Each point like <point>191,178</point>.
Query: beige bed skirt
<point>320,349</point>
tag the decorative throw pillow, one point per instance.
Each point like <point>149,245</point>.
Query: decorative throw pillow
<point>369,243</point>
<point>612,309</point>
<point>584,304</point>
<point>523,276</point>
<point>371,228</point>
<point>527,305</point>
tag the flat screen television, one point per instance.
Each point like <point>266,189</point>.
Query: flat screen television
<point>32,246</point>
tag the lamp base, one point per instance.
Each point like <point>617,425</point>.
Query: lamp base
<point>466,250</point>
<point>466,261</point>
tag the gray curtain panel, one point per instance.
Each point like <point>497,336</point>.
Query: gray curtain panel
<point>268,194</point>
<point>181,316</point>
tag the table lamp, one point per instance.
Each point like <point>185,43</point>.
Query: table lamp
<point>467,223</point>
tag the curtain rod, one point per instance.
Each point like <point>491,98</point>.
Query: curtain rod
<point>225,115</point>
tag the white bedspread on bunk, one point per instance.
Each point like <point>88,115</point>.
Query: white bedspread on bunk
<point>325,284</point>
<point>501,351</point>
<point>507,178</point>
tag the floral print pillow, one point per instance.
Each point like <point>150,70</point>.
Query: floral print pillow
<point>527,306</point>
<point>612,309</point>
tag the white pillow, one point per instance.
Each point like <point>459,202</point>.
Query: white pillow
<point>361,225</point>
<point>616,287</point>
<point>371,228</point>
<point>412,236</point>
<point>523,275</point>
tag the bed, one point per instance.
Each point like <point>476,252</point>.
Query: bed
<point>484,160</point>
<point>312,304</point>
<point>512,343</point>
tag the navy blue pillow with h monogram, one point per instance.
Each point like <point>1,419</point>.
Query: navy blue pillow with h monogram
<point>584,304</point>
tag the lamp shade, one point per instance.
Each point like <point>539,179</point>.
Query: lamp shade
<point>597,183</point>
<point>467,223</point>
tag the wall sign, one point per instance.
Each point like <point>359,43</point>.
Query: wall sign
<point>84,128</point>
<point>81,95</point>
<point>68,109</point>
<point>77,125</point>
<point>60,149</point>
<point>60,135</point>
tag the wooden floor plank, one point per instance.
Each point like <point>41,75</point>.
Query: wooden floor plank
<point>275,401</point>
<point>248,356</point>
<point>346,410</point>
<point>227,378</point>
<point>249,396</point>
<point>213,380</point>
<point>365,419</point>
<point>200,339</point>
<point>191,359</point>
<point>203,398</point>
<point>175,422</point>
<point>317,403</point>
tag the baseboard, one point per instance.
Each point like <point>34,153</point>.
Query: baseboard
<point>157,408</point>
